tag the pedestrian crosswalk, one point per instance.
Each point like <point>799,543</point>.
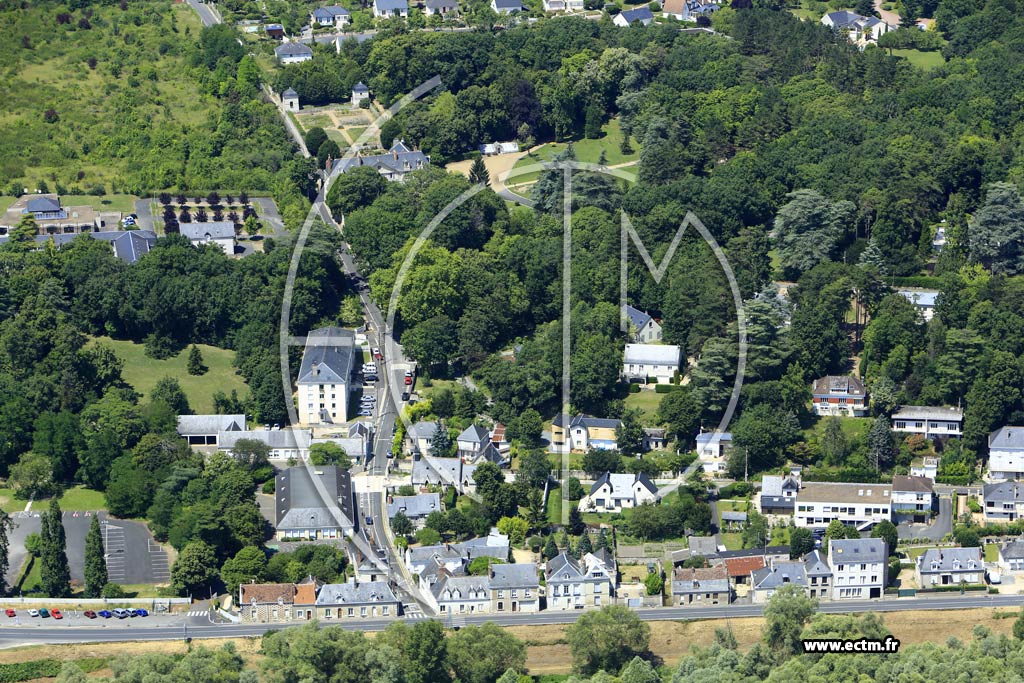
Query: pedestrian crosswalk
<point>199,613</point>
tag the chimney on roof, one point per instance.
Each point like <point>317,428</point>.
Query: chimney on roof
<point>316,368</point>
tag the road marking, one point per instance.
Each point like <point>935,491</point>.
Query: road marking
<point>199,613</point>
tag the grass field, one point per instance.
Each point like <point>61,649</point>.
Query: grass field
<point>555,506</point>
<point>647,402</point>
<point>6,201</point>
<point>991,552</point>
<point>124,203</point>
<point>586,150</point>
<point>855,428</point>
<point>732,541</point>
<point>8,503</point>
<point>143,372</point>
<point>923,60</point>
<point>81,498</point>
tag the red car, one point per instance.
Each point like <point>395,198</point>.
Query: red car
<point>55,613</point>
<point>89,614</point>
<point>11,613</point>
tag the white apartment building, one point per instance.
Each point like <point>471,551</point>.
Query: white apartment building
<point>912,498</point>
<point>859,568</point>
<point>860,506</point>
<point>323,383</point>
<point>928,421</point>
<point>1006,454</point>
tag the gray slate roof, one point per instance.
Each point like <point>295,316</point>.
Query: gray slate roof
<point>508,4</point>
<point>729,516</point>
<point>702,580</point>
<point>42,205</point>
<point>217,230</point>
<point>475,433</point>
<point>289,94</point>
<point>705,546</point>
<point>366,593</point>
<point>514,576</point>
<point>293,50</point>
<point>767,578</point>
<point>210,424</point>
<point>912,484</point>
<point>398,159</point>
<point>464,585</point>
<point>1014,550</point>
<point>622,483</point>
<point>841,384</point>
<point>853,550</point>
<point>815,564</point>
<point>360,87</point>
<point>275,438</point>
<point>328,356</point>
<point>1006,438</point>
<point>128,245</point>
<point>586,421</point>
<point>1004,492</point>
<point>448,471</point>
<point>638,14</point>
<point>390,4</point>
<point>941,560</point>
<point>299,505</point>
<point>929,413</point>
<point>416,506</point>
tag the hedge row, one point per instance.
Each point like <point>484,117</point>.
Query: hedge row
<point>665,388</point>
<point>923,281</point>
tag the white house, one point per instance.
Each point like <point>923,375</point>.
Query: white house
<point>712,449</point>
<point>293,53</point>
<point>778,493</point>
<point>220,233</point>
<point>925,467</point>
<point>859,568</point>
<point>324,376</point>
<point>1003,501</point>
<point>452,595</point>
<point>563,5</point>
<point>660,361</point>
<point>643,328</point>
<point>858,29</point>
<point>583,432</point>
<point>950,567</point>
<point>442,8</point>
<point>386,9</point>
<point>614,492</point>
<point>507,6</point>
<point>923,300</point>
<point>1011,556</point>
<point>860,506</point>
<point>928,421</point>
<point>628,17</point>
<point>689,10</point>
<point>331,15</point>
<point>912,498</point>
<point>395,164</point>
<point>839,395</point>
<point>1006,454</point>
<point>290,100</point>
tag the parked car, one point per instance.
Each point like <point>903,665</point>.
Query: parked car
<point>365,413</point>
<point>142,612</point>
<point>370,379</point>
<point>11,613</point>
<point>105,613</point>
<point>408,380</point>
<point>405,395</point>
<point>89,614</point>
<point>377,354</point>
<point>369,520</point>
<point>55,613</point>
<point>121,613</point>
<point>33,613</point>
<point>44,613</point>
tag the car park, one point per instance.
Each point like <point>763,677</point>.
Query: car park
<point>55,613</point>
<point>11,613</point>
<point>89,614</point>
<point>33,613</point>
<point>44,613</point>
<point>105,613</point>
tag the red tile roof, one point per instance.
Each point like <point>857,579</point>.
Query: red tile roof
<point>742,566</point>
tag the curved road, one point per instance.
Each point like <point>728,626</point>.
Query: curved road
<point>32,635</point>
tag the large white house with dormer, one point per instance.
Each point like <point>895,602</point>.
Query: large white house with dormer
<point>1006,454</point>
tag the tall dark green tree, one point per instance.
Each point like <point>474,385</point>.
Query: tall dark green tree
<point>54,570</point>
<point>95,561</point>
<point>195,361</point>
<point>881,449</point>
<point>5,527</point>
<point>478,172</point>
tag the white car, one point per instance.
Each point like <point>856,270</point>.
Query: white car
<point>33,613</point>
<point>365,412</point>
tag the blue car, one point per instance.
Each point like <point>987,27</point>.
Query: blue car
<point>141,612</point>
<point>105,613</point>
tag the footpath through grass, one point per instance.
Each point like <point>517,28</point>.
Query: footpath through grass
<point>143,372</point>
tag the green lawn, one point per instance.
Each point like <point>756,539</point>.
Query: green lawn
<point>8,503</point>
<point>855,428</point>
<point>339,139</point>
<point>647,402</point>
<point>5,202</point>
<point>923,60</point>
<point>81,498</point>
<point>143,372</point>
<point>991,552</point>
<point>33,579</point>
<point>124,203</point>
<point>555,506</point>
<point>806,14</point>
<point>435,386</point>
<point>732,541</point>
<point>586,150</point>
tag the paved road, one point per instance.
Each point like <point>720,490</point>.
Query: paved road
<point>39,632</point>
<point>939,527</point>
<point>144,211</point>
<point>207,13</point>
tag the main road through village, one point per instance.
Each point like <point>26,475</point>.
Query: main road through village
<point>36,633</point>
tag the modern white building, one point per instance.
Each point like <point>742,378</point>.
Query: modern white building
<point>641,361</point>
<point>583,432</point>
<point>219,233</point>
<point>860,506</point>
<point>859,568</point>
<point>1006,454</point>
<point>206,430</point>
<point>925,467</point>
<point>928,421</point>
<point>324,377</point>
<point>1003,501</point>
<point>614,492</point>
<point>913,498</point>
